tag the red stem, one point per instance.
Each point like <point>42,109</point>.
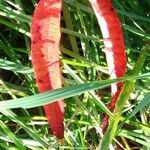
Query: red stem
<point>114,47</point>
<point>45,37</point>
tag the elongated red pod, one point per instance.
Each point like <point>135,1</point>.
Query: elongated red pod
<point>114,46</point>
<point>45,37</point>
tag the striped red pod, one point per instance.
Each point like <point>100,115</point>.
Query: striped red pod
<point>114,46</point>
<point>45,38</point>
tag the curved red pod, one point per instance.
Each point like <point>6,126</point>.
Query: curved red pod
<point>114,46</point>
<point>45,37</point>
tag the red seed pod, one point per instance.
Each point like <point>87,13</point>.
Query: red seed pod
<point>45,38</point>
<point>114,46</point>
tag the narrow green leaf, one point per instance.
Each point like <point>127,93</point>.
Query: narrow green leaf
<point>16,67</point>
<point>12,136</point>
<point>54,95</point>
<point>28,129</point>
<point>145,102</point>
<point>137,32</point>
<point>137,137</point>
<point>122,99</point>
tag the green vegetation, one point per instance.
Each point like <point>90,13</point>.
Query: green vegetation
<point>85,79</point>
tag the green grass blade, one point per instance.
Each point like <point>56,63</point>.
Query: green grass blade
<point>145,102</point>
<point>31,132</point>
<point>12,136</point>
<point>127,89</point>
<point>15,67</point>
<point>136,137</point>
<point>54,95</point>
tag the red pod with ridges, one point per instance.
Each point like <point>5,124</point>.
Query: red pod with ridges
<point>45,38</point>
<point>114,46</point>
